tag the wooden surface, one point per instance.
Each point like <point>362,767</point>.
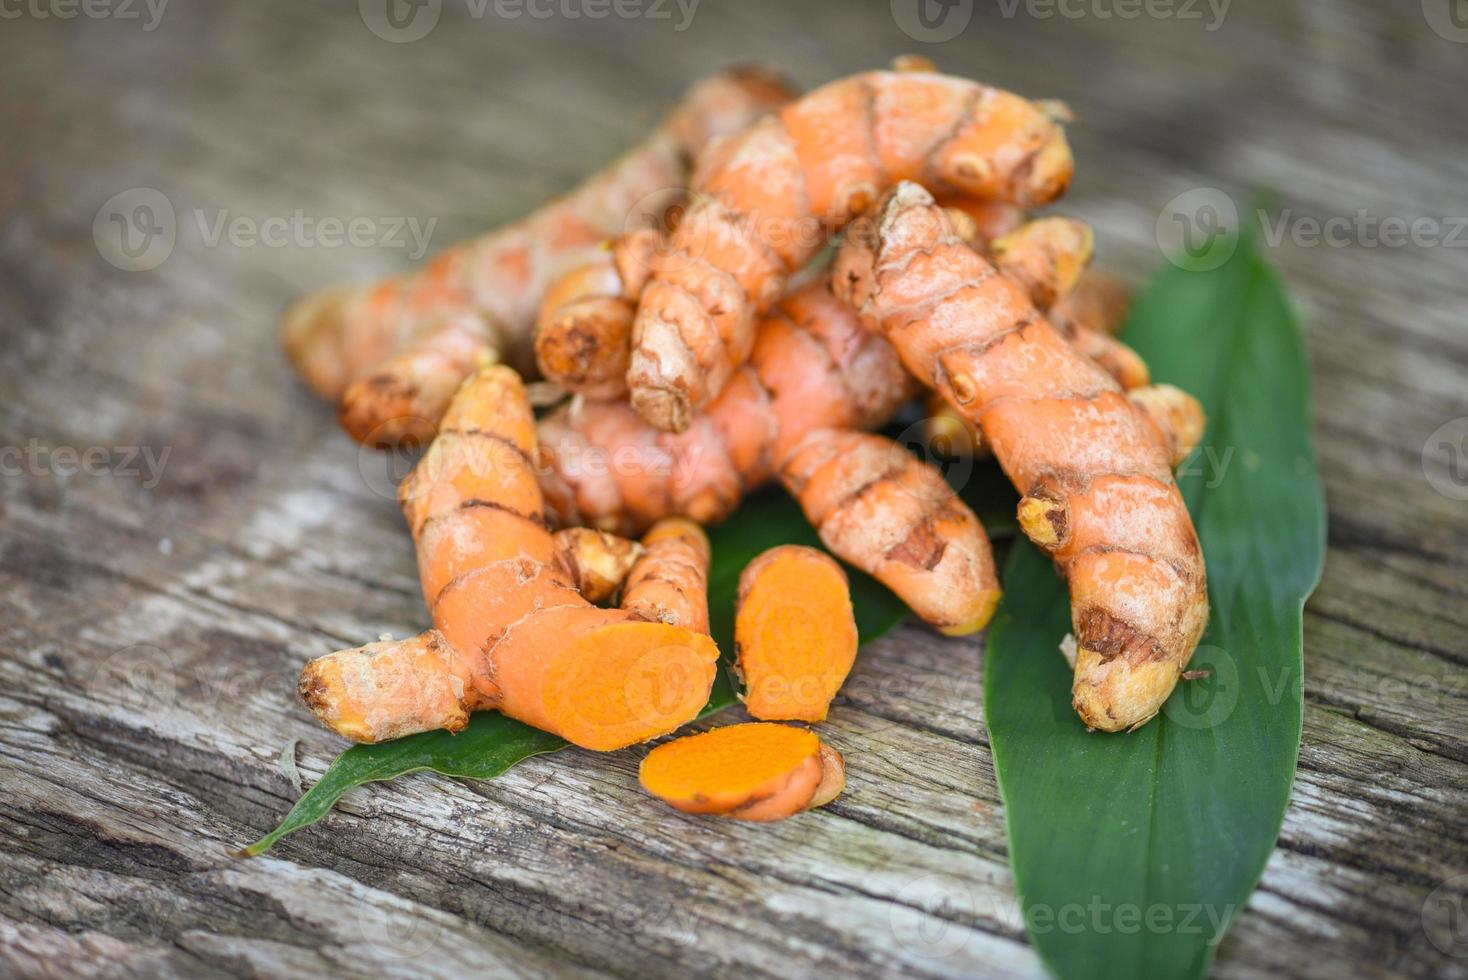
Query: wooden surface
<point>152,628</point>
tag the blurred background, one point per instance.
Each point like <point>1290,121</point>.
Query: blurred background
<point>174,172</point>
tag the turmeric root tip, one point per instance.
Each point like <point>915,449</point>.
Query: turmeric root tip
<point>795,633</point>
<point>755,771</point>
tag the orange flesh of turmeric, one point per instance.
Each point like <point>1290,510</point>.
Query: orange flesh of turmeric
<point>755,771</point>
<point>511,631</point>
<point>795,633</point>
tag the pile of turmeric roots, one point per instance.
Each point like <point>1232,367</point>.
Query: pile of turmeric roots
<point>746,298</point>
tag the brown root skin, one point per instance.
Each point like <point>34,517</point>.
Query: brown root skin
<point>894,517</point>
<point>400,402</point>
<point>598,561</point>
<point>1099,301</point>
<point>1177,415</point>
<point>1093,465</point>
<point>343,334</point>
<point>756,771</point>
<point>511,629</point>
<point>583,334</point>
<point>669,582</point>
<point>765,202</point>
<point>795,633</point>
<point>1044,257</point>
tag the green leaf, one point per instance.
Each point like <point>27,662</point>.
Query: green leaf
<point>1176,820</point>
<point>492,743</point>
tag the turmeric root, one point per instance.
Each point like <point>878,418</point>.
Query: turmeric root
<point>1095,471</point>
<point>795,633</point>
<point>1098,301</point>
<point>1046,258</point>
<point>755,771</point>
<point>765,202</point>
<point>1176,414</point>
<point>404,344</point>
<point>583,335</point>
<point>895,518</point>
<point>511,631</point>
<point>814,365</point>
<point>670,582</point>
<point>598,562</point>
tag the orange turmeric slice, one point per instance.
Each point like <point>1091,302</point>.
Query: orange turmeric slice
<point>755,771</point>
<point>795,633</point>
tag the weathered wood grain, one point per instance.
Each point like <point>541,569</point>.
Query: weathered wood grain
<point>151,629</point>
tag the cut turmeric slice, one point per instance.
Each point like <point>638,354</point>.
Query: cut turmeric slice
<point>795,633</point>
<point>755,771</point>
